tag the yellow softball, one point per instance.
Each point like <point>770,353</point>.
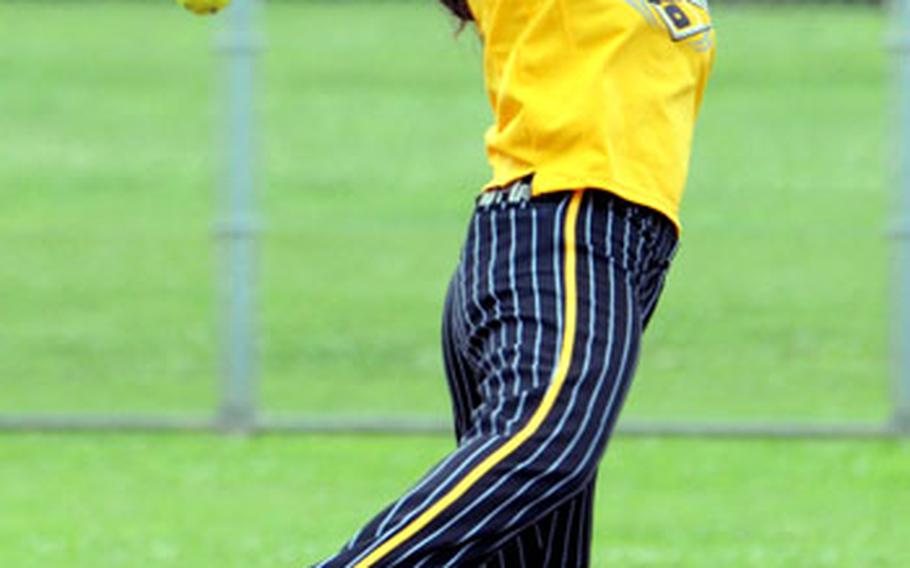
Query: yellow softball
<point>204,7</point>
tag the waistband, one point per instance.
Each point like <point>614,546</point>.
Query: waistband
<point>518,191</point>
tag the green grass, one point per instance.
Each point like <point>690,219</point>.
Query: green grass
<point>373,118</point>
<point>99,502</point>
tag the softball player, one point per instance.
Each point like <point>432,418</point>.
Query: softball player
<point>595,102</point>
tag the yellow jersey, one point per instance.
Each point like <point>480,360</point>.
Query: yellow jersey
<point>596,93</point>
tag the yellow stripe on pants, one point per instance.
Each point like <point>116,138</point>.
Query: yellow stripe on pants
<point>546,405</point>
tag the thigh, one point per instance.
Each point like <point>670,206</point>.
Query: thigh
<point>547,314</point>
<point>623,254</point>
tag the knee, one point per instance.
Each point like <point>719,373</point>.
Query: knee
<point>571,464</point>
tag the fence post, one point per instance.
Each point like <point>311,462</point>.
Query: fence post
<point>901,286</point>
<point>237,229</point>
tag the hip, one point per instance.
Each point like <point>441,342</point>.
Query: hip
<point>523,255</point>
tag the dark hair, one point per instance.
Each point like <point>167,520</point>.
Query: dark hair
<point>460,9</point>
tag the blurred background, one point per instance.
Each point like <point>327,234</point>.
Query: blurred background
<point>370,150</point>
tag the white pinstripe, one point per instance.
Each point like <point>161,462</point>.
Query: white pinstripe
<point>641,242</point>
<point>516,304</point>
<point>521,551</point>
<point>484,385</point>
<point>581,541</point>
<point>476,266</point>
<point>571,517</point>
<point>655,296</point>
<point>557,263</point>
<point>463,304</point>
<point>496,349</point>
<point>510,425</point>
<point>513,287</point>
<point>625,249</point>
<point>553,526</point>
<point>459,379</point>
<point>463,396</point>
<point>464,320</point>
<point>535,290</point>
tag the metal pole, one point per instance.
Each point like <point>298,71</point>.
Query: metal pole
<point>901,345</point>
<point>237,231</point>
<point>397,425</point>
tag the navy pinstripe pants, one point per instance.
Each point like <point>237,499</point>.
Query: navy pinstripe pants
<point>541,334</point>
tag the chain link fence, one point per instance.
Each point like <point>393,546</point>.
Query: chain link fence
<point>775,321</point>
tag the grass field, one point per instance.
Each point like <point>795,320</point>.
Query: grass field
<point>373,117</point>
<point>373,121</point>
<point>200,502</point>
